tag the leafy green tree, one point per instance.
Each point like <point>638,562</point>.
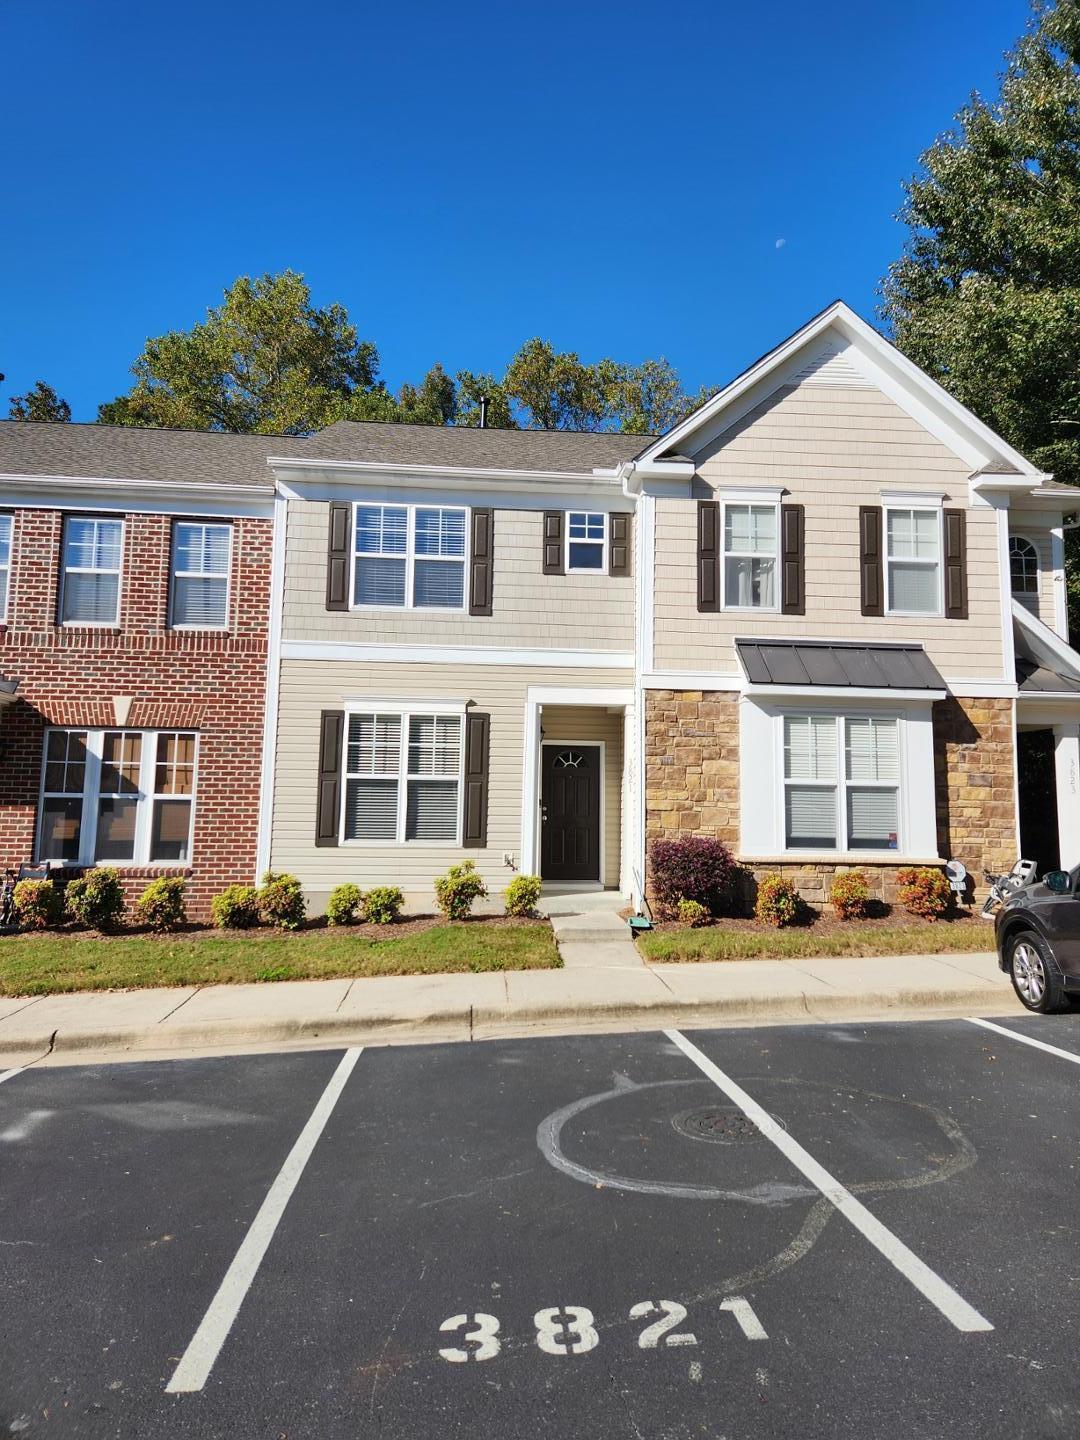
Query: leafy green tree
<point>649,398</point>
<point>40,402</point>
<point>557,391</point>
<point>471,389</point>
<point>986,296</point>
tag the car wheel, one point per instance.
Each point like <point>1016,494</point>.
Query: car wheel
<point>1035,974</point>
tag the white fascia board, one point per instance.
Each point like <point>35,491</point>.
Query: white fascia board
<point>178,497</point>
<point>455,655</point>
<point>586,695</point>
<point>860,694</point>
<point>979,689</point>
<point>1043,639</point>
<point>691,680</point>
<point>360,472</point>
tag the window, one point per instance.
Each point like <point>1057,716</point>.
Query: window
<point>913,561</point>
<point>119,796</point>
<point>1024,570</point>
<point>200,575</point>
<point>403,778</point>
<point>750,536</point>
<point>91,578</point>
<point>411,556</point>
<point>5,562</point>
<point>841,782</point>
<point>586,536</point>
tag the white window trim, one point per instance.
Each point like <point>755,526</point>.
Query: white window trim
<point>174,574</point>
<point>1027,596</point>
<point>146,797</point>
<point>603,543</point>
<point>841,784</point>
<point>5,594</point>
<point>406,710</point>
<point>114,623</point>
<point>411,507</point>
<point>757,502</point>
<point>930,507</point>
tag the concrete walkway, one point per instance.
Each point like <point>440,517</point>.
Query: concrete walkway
<point>588,931</point>
<point>140,1023</point>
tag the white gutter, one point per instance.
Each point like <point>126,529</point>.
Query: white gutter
<point>198,490</point>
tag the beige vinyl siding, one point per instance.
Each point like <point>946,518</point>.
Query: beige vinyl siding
<point>1035,529</point>
<point>310,686</point>
<point>572,722</point>
<point>529,609</point>
<point>831,448</point>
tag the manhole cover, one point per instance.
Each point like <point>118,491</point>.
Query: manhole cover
<point>717,1125</point>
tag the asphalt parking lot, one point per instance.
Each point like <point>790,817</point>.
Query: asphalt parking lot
<point>822,1231</point>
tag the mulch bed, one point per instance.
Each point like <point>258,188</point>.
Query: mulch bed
<point>407,925</point>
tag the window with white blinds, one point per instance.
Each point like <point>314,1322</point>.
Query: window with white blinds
<point>200,575</point>
<point>5,563</point>
<point>90,584</point>
<point>841,782</point>
<point>409,556</point>
<point>403,778</point>
<point>913,561</point>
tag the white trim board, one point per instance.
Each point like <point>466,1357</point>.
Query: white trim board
<point>264,839</point>
<point>456,655</point>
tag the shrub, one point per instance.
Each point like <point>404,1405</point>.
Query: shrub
<point>522,894</point>
<point>38,904</point>
<point>346,905</point>
<point>849,895</point>
<point>696,867</point>
<point>924,891</point>
<point>236,908</point>
<point>161,904</point>
<point>458,889</point>
<point>96,899</point>
<point>281,901</point>
<point>692,912</point>
<point>778,901</point>
<point>382,905</point>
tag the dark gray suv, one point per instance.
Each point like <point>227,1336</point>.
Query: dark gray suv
<point>1038,941</point>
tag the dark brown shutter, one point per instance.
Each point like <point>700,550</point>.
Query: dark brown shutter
<point>481,561</point>
<point>553,542</point>
<point>793,559</point>
<point>475,804</point>
<point>956,602</point>
<point>328,797</point>
<point>619,545</point>
<point>337,557</point>
<point>870,563</point>
<point>708,555</point>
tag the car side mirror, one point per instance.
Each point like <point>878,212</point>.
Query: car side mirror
<point>1057,881</point>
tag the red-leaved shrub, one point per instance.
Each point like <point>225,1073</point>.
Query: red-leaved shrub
<point>924,891</point>
<point>694,867</point>
<point>849,895</point>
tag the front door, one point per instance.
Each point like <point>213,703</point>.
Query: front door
<point>570,813</point>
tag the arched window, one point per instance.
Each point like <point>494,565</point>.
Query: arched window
<point>1024,569</point>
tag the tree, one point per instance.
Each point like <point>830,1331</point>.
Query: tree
<point>265,361</point>
<point>471,389</point>
<point>41,402</point>
<point>986,296</point>
<point>649,398</point>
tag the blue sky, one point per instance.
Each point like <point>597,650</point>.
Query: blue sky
<point>691,178</point>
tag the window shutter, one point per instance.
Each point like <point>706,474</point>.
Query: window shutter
<point>619,544</point>
<point>337,558</point>
<point>708,555</point>
<point>477,744</point>
<point>870,561</point>
<point>328,795</point>
<point>553,542</point>
<point>792,559</point>
<point>481,560</point>
<point>956,602</point>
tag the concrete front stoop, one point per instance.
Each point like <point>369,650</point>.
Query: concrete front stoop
<point>588,930</point>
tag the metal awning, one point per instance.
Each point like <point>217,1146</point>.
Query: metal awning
<point>837,665</point>
<point>1035,679</point>
<point>7,690</point>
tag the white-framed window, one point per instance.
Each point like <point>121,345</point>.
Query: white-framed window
<point>841,778</point>
<point>201,554</point>
<point>409,556</point>
<point>5,563</point>
<point>90,582</point>
<point>1024,570</point>
<point>403,777</point>
<point>117,797</point>
<point>751,570</point>
<point>586,541</point>
<point>913,569</point>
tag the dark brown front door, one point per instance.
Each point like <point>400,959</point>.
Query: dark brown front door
<point>570,817</point>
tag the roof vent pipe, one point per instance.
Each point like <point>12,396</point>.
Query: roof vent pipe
<point>483,412</point>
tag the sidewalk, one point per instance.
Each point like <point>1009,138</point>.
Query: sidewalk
<point>408,1008</point>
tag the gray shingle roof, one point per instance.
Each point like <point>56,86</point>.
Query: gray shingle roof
<point>808,662</point>
<point>564,450</point>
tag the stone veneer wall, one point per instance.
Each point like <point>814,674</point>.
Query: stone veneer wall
<point>974,764</point>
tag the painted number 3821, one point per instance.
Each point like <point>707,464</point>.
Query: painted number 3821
<point>571,1329</point>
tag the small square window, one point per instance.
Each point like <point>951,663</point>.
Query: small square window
<point>586,533</point>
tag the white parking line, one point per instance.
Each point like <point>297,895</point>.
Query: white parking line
<point>198,1359</point>
<point>1026,1040</point>
<point>10,1074</point>
<point>940,1294</point>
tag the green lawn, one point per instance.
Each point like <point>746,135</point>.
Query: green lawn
<point>46,964</point>
<point>866,937</point>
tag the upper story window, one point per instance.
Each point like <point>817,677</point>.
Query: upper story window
<point>90,584</point>
<point>750,557</point>
<point>841,782</point>
<point>1024,570</point>
<point>200,575</point>
<point>5,563</point>
<point>586,540</point>
<point>913,561</point>
<point>403,778</point>
<point>409,556</point>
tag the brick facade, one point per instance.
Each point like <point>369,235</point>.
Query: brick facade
<point>211,681</point>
